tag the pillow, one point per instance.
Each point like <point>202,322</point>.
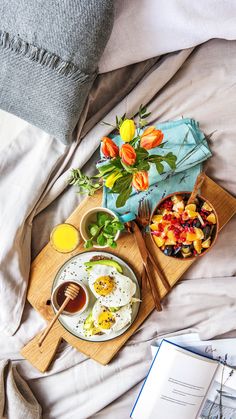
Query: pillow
<point>49,52</point>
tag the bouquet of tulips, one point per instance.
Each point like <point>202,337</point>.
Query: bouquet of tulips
<point>125,167</point>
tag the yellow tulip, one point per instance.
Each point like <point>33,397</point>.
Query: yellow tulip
<point>127,130</point>
<point>111,179</point>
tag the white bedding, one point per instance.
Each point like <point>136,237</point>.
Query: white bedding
<point>10,127</point>
<point>148,28</point>
<point>200,84</point>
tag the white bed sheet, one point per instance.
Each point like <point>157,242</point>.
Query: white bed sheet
<point>10,127</point>
<point>149,28</point>
<point>200,84</point>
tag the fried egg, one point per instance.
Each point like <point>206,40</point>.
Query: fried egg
<point>111,321</point>
<point>110,287</point>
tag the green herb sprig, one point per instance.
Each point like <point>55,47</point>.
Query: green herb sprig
<point>87,185</point>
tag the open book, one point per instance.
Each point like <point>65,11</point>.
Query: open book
<point>184,385</point>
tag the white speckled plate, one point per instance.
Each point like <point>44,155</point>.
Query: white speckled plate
<point>74,270</point>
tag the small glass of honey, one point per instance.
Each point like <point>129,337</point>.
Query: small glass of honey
<point>76,306</point>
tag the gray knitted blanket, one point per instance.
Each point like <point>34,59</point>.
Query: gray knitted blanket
<point>49,51</point>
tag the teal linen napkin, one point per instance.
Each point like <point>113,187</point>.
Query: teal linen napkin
<point>188,143</point>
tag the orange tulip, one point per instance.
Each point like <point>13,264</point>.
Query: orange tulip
<point>151,138</point>
<point>109,148</point>
<point>140,181</point>
<point>127,154</point>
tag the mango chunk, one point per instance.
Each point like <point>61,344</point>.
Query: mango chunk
<point>159,241</point>
<point>171,236</point>
<point>169,242</point>
<point>197,244</point>
<point>190,207</point>
<point>192,214</point>
<point>186,255</point>
<point>157,218</point>
<point>206,243</point>
<point>190,237</point>
<point>211,218</point>
<point>206,207</point>
<point>154,227</point>
<point>199,233</point>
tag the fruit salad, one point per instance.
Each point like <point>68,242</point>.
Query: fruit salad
<point>183,230</point>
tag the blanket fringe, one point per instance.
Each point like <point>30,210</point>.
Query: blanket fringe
<point>43,57</point>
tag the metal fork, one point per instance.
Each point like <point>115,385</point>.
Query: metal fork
<point>143,220</point>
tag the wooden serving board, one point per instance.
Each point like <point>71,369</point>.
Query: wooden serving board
<point>48,262</point>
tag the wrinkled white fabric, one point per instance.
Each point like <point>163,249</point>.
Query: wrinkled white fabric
<point>148,28</point>
<point>35,168</point>
<point>200,84</point>
<point>16,399</point>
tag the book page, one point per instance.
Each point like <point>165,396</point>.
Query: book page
<point>176,385</point>
<point>223,350</point>
<point>220,401</point>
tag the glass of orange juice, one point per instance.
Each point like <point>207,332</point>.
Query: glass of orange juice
<point>65,238</point>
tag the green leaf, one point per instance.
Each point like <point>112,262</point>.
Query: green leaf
<point>155,157</point>
<point>143,123</point>
<point>85,183</point>
<point>101,240</point>
<point>122,183</point>
<point>107,123</point>
<point>106,168</point>
<point>109,236</point>
<point>141,153</point>
<point>146,115</point>
<point>93,229</point>
<point>108,229</point>
<point>143,165</point>
<point>170,159</point>
<point>129,169</point>
<point>118,225</point>
<point>110,241</point>
<point>162,144</point>
<point>102,217</point>
<point>142,109</point>
<point>122,198</point>
<point>159,167</point>
<point>116,162</point>
<point>113,245</point>
<point>88,244</point>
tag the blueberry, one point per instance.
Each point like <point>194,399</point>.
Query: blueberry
<point>206,230</point>
<point>197,223</point>
<point>168,250</point>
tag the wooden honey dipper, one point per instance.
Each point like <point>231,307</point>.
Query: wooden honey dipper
<point>71,293</point>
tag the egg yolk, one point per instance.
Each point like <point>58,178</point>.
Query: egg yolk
<point>104,285</point>
<point>106,320</point>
